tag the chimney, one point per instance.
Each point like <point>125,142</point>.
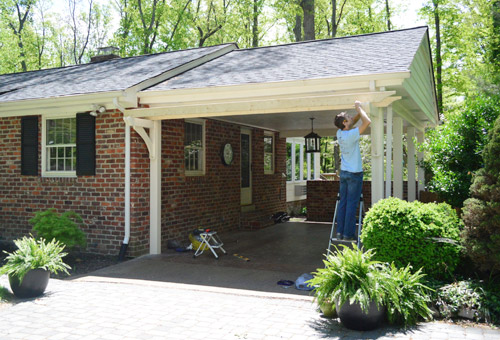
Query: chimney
<point>105,53</point>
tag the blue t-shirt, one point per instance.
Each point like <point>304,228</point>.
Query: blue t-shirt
<point>349,149</point>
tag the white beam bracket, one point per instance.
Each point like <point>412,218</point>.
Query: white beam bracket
<point>139,125</point>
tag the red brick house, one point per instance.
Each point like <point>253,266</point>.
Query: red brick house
<point>148,148</point>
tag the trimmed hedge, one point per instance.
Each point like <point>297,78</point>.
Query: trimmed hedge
<point>421,234</point>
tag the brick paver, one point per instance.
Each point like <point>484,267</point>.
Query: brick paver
<point>96,308</point>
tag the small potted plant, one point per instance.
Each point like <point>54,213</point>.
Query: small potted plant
<point>29,266</point>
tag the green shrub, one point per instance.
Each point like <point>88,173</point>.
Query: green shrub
<point>423,235</point>
<point>64,228</point>
<point>469,294</point>
<point>481,236</point>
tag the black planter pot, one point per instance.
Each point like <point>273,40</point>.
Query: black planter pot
<point>33,285</point>
<point>353,317</point>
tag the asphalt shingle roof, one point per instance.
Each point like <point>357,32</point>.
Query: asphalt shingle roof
<point>384,52</point>
<point>111,75</point>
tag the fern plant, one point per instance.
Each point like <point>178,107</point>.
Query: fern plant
<point>34,254</point>
<point>350,275</point>
<point>353,275</point>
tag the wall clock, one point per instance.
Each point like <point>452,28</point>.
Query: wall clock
<point>227,154</point>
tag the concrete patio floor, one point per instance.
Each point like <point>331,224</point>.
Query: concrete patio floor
<point>281,252</point>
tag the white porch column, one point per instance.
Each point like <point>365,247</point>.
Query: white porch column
<point>397,147</point>
<point>317,165</point>
<point>377,139</point>
<point>388,153</point>
<point>155,190</point>
<point>410,135</point>
<point>309,167</point>
<point>420,170</point>
<point>301,163</point>
<point>293,162</point>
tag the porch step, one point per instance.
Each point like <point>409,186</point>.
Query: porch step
<point>255,220</point>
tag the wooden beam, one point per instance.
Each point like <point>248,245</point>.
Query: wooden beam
<point>262,106</point>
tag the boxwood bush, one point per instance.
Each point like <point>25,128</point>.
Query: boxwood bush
<point>421,234</point>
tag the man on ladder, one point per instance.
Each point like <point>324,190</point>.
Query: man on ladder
<point>351,171</point>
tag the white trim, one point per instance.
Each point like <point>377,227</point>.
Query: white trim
<point>420,158</point>
<point>273,136</point>
<point>155,191</point>
<point>397,147</point>
<point>410,147</point>
<point>45,172</point>
<point>201,172</point>
<point>377,152</point>
<point>388,152</point>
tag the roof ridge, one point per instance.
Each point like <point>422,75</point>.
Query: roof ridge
<point>331,39</point>
<point>114,60</point>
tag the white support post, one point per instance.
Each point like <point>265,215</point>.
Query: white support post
<point>155,190</point>
<point>377,139</point>
<point>388,153</point>
<point>420,170</point>
<point>410,135</point>
<point>301,163</point>
<point>293,162</point>
<point>317,165</point>
<point>397,147</point>
<point>309,167</point>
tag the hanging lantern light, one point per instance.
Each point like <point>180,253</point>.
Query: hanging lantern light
<point>312,140</point>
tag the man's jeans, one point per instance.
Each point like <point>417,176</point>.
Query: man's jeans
<point>351,185</point>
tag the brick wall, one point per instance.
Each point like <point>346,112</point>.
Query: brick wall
<point>321,197</point>
<point>98,199</point>
<point>212,200</point>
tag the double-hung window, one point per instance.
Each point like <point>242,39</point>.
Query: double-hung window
<point>59,147</point>
<point>268,153</point>
<point>194,147</point>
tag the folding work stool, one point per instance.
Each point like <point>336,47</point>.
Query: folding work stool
<point>209,239</point>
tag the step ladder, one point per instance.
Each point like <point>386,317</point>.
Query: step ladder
<point>360,220</point>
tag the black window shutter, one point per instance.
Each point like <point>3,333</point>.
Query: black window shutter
<point>85,144</point>
<point>29,146</point>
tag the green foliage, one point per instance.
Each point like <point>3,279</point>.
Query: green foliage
<point>352,275</point>
<point>473,295</point>
<point>454,149</point>
<point>481,235</point>
<point>423,235</point>
<point>34,254</point>
<point>64,228</point>
<point>408,300</point>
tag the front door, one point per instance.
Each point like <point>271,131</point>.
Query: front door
<point>246,166</point>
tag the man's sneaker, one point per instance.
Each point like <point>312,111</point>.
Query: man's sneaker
<point>350,239</point>
<point>339,236</point>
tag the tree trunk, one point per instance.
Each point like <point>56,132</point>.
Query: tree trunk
<point>297,30</point>
<point>495,44</point>
<point>439,62</point>
<point>308,24</point>
<point>255,26</point>
<point>388,13</point>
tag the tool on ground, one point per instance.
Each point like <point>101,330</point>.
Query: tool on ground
<point>206,238</point>
<point>360,221</point>
<point>242,257</point>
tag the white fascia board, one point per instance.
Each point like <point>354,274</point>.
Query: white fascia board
<point>346,84</point>
<point>403,112</point>
<point>66,104</point>
<point>181,69</point>
<point>263,105</point>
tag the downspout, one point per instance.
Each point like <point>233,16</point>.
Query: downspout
<point>124,246</point>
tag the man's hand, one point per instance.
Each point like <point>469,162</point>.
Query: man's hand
<point>364,117</point>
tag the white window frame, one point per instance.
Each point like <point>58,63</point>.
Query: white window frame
<point>273,136</point>
<point>45,171</point>
<point>203,148</point>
